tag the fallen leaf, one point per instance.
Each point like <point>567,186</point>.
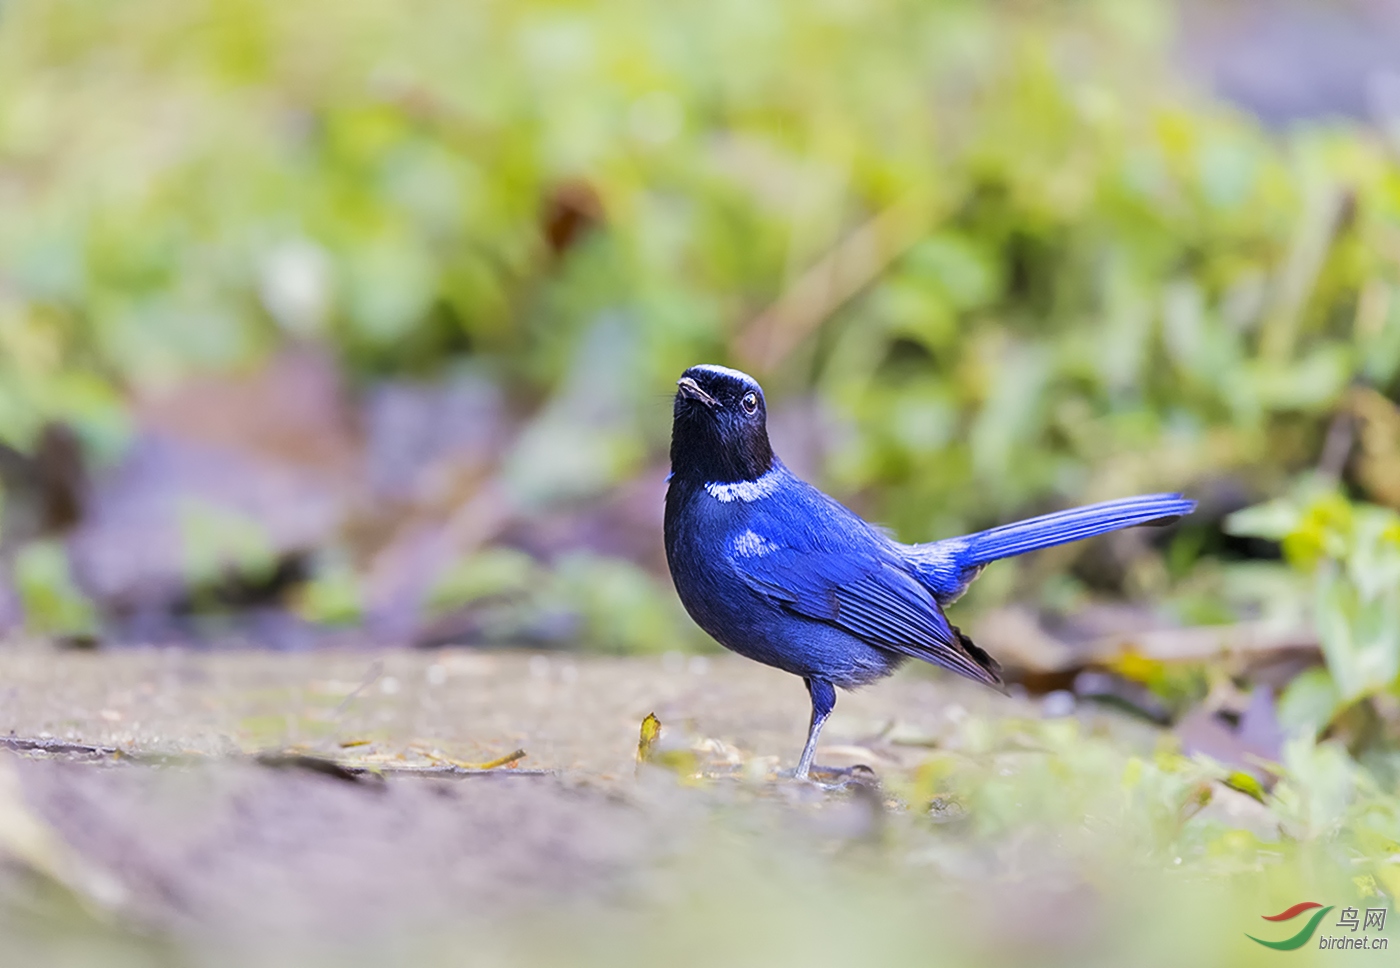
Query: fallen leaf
<point>651,732</point>
<point>680,760</point>
<point>507,760</point>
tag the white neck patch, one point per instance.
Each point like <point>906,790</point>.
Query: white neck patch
<point>746,490</point>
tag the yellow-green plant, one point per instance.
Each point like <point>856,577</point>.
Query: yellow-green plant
<point>1351,553</point>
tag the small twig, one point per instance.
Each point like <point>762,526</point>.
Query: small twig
<point>1336,448</point>
<point>438,756</point>
<point>56,747</point>
<point>311,764</point>
<point>376,669</point>
<point>279,759</point>
<point>879,736</point>
<point>513,757</point>
<point>447,770</point>
<point>1325,216</point>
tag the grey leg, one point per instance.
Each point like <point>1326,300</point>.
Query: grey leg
<point>823,696</point>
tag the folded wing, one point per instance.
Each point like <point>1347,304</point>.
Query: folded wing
<point>869,596</point>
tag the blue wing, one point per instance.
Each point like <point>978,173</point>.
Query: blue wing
<point>865,593</point>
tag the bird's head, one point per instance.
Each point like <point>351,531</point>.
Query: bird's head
<point>720,429</point>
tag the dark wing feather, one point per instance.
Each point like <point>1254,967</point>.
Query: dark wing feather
<point>871,598</point>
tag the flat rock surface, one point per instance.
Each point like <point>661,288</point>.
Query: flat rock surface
<point>578,716</point>
<point>182,807</point>
<point>194,787</point>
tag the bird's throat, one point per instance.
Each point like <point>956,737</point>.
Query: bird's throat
<point>702,452</point>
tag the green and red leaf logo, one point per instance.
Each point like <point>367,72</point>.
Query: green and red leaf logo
<point>1304,935</point>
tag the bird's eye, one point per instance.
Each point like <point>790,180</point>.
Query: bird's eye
<point>750,402</point>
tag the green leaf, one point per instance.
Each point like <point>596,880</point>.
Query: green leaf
<point>1309,702</point>
<point>53,604</point>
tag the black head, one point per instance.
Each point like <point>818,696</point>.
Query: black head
<point>720,430</point>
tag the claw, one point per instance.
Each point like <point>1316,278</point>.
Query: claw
<point>834,779</point>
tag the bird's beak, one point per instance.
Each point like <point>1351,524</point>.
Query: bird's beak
<point>689,388</point>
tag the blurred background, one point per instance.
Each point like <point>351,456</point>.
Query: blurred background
<point>349,329</point>
<point>357,322</point>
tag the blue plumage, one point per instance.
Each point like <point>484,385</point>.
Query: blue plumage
<point>777,571</point>
<point>947,567</point>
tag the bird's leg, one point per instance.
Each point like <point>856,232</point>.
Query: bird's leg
<point>823,696</point>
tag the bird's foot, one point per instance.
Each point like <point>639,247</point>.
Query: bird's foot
<point>833,778</point>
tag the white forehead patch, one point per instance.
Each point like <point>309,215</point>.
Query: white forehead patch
<point>745,490</point>
<point>717,370</point>
<point>750,544</point>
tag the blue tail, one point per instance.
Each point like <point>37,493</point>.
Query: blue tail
<point>947,567</point>
<point>1075,524</point>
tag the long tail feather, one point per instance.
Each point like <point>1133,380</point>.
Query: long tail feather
<point>1074,524</point>
<point>947,567</point>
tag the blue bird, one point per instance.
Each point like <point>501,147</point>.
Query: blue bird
<point>777,571</point>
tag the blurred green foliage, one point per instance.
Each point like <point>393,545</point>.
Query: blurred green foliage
<point>1350,553</point>
<point>1006,775</point>
<point>53,603</point>
<point>334,597</point>
<point>608,604</point>
<point>1086,278</point>
<point>1108,267</point>
<point>218,543</point>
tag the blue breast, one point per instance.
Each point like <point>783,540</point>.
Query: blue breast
<point>709,530</point>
